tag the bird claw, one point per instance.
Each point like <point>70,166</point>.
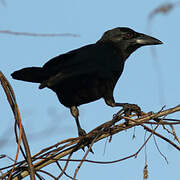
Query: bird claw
<point>129,108</point>
<point>90,149</point>
<point>82,133</point>
<point>84,141</point>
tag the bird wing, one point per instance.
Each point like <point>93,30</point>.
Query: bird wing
<point>91,59</point>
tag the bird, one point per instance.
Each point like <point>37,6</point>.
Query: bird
<point>90,72</point>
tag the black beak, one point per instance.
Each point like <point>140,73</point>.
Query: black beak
<point>144,39</point>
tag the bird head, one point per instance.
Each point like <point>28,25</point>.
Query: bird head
<point>127,40</point>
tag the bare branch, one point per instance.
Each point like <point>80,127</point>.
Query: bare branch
<point>67,147</point>
<point>12,101</point>
<point>9,32</point>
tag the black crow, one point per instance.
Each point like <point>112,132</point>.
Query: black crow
<point>90,72</point>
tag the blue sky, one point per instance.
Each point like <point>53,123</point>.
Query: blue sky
<point>148,81</point>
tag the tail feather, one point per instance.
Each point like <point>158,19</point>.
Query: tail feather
<point>31,74</point>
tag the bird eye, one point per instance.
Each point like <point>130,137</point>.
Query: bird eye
<point>128,35</point>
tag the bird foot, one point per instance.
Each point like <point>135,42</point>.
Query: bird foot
<point>129,108</point>
<point>82,133</point>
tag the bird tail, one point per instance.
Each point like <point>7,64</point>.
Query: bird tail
<point>31,74</point>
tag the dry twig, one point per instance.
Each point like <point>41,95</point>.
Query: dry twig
<point>67,147</point>
<point>36,34</point>
<point>12,101</point>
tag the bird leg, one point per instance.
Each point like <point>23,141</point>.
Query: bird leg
<point>81,132</point>
<point>75,113</point>
<point>128,108</point>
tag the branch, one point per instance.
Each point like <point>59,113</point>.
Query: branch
<point>36,34</point>
<point>12,101</point>
<point>66,147</point>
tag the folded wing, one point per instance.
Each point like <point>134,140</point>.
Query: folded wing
<point>86,61</point>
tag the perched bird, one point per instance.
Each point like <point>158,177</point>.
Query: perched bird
<point>90,72</point>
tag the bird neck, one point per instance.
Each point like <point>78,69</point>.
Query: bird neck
<point>125,50</point>
<point>122,49</point>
